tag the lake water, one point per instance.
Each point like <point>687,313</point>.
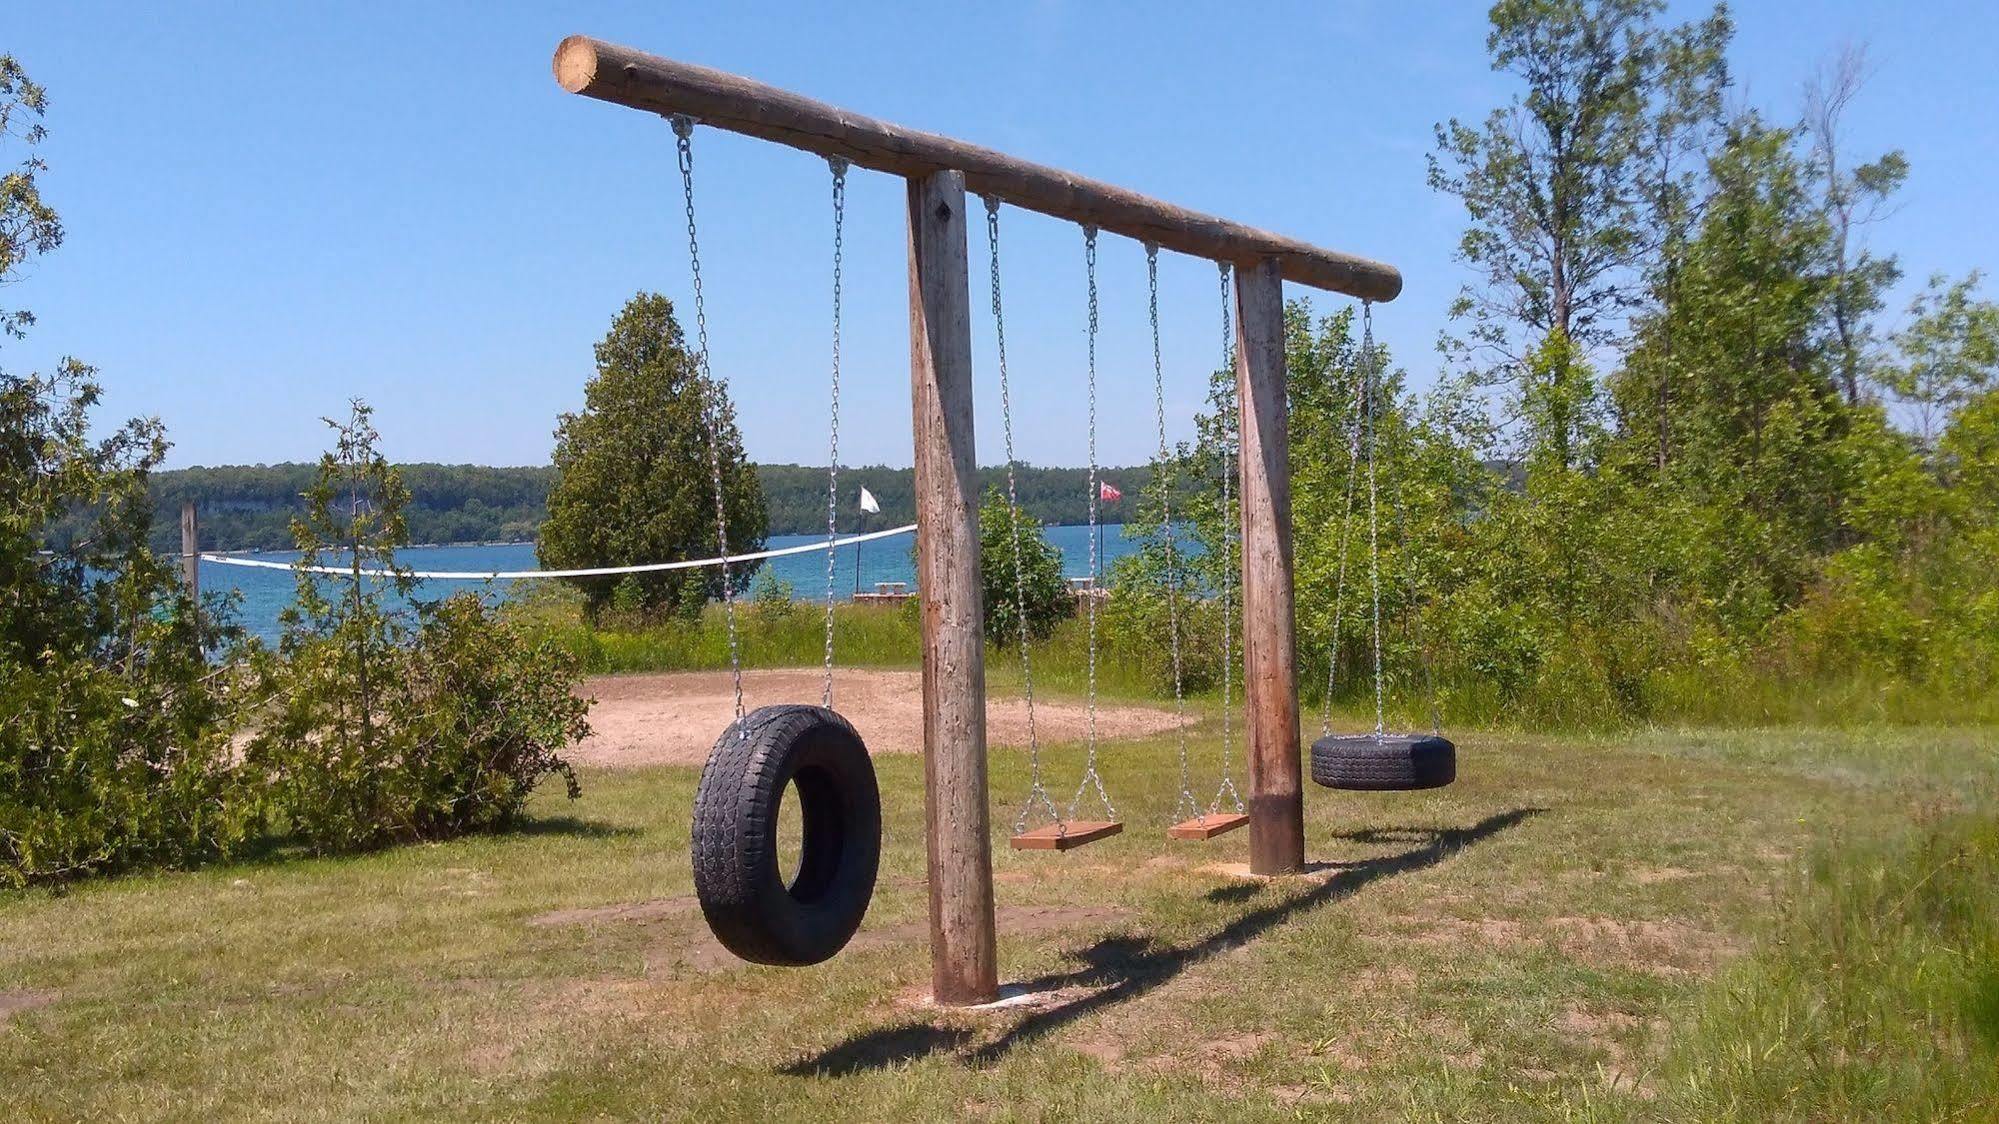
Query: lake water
<point>267,592</point>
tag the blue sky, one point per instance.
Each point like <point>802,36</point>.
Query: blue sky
<point>272,208</point>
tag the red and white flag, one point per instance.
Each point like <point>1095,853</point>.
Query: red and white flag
<point>1107,492</point>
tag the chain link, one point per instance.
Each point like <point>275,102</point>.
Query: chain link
<point>1373,507</point>
<point>1090,774</point>
<point>839,169</point>
<point>1037,792</point>
<point>1346,526</point>
<point>1185,805</point>
<point>714,413</point>
<point>1232,436</point>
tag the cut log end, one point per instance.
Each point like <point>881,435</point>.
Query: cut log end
<point>576,63</point>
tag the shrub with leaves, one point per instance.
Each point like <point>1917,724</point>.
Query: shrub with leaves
<point>114,727</point>
<point>400,720</point>
<point>1041,587</point>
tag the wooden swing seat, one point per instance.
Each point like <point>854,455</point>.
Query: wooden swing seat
<point>1208,826</point>
<point>1065,837</point>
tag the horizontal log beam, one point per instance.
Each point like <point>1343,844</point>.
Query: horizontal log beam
<point>632,78</point>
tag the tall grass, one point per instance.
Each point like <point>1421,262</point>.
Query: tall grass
<point>768,633</point>
<point>1874,997</point>
<point>1576,694</point>
<point>771,635</point>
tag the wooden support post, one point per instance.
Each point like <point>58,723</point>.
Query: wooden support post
<point>1270,675</point>
<point>190,557</point>
<point>964,965</point>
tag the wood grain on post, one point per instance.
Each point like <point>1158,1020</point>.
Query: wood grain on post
<point>638,80</point>
<point>1270,674</point>
<point>964,963</point>
<point>190,557</point>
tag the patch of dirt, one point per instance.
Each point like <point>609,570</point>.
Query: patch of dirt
<point>1595,1026</point>
<point>674,718</point>
<point>1315,871</point>
<point>1661,947</point>
<point>1011,920</point>
<point>1216,1062</point>
<point>1371,980</point>
<point>1654,875</point>
<point>17,1000</point>
<point>1433,931</point>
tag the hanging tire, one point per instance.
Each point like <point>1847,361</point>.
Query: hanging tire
<point>743,894</point>
<point>1384,762</point>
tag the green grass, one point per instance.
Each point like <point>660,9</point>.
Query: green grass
<point>1574,701</point>
<point>865,635</point>
<point>1664,925</point>
<point>1874,997</point>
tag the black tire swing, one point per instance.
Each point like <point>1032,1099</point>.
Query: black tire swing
<point>1377,761</point>
<point>750,906</point>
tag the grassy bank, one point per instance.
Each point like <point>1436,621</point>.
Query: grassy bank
<point>795,636</point>
<point>1719,693</point>
<point>1654,926</point>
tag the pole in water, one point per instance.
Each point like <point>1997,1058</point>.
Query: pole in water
<point>190,549</point>
<point>857,556</point>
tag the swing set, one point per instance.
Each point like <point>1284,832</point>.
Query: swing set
<point>811,749</point>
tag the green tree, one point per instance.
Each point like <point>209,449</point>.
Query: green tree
<point>633,482</point>
<point>396,719</point>
<point>1558,183</point>
<point>1948,354</point>
<point>114,726</point>
<point>1850,198</point>
<point>1759,474</point>
<point>1040,586</point>
<point>28,225</point>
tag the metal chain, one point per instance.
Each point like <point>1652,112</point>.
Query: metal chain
<point>1373,509</point>
<point>1037,792</point>
<point>1346,526</point>
<point>1090,774</point>
<point>712,410</point>
<point>1232,435</point>
<point>839,169</point>
<point>1185,805</point>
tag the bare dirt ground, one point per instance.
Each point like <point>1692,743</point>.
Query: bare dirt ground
<point>673,718</point>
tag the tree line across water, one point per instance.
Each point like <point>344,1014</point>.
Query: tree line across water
<point>250,507</point>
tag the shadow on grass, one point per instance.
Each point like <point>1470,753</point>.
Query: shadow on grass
<point>1123,968</point>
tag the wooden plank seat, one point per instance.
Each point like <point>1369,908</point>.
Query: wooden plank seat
<point>1208,826</point>
<point>1065,836</point>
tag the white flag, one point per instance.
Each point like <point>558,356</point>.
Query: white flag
<point>868,502</point>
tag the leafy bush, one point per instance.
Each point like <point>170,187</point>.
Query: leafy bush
<point>771,598</point>
<point>392,730</point>
<point>114,727</point>
<point>114,748</point>
<point>1138,623</point>
<point>1041,588</point>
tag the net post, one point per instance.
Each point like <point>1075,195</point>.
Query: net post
<point>190,558</point>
